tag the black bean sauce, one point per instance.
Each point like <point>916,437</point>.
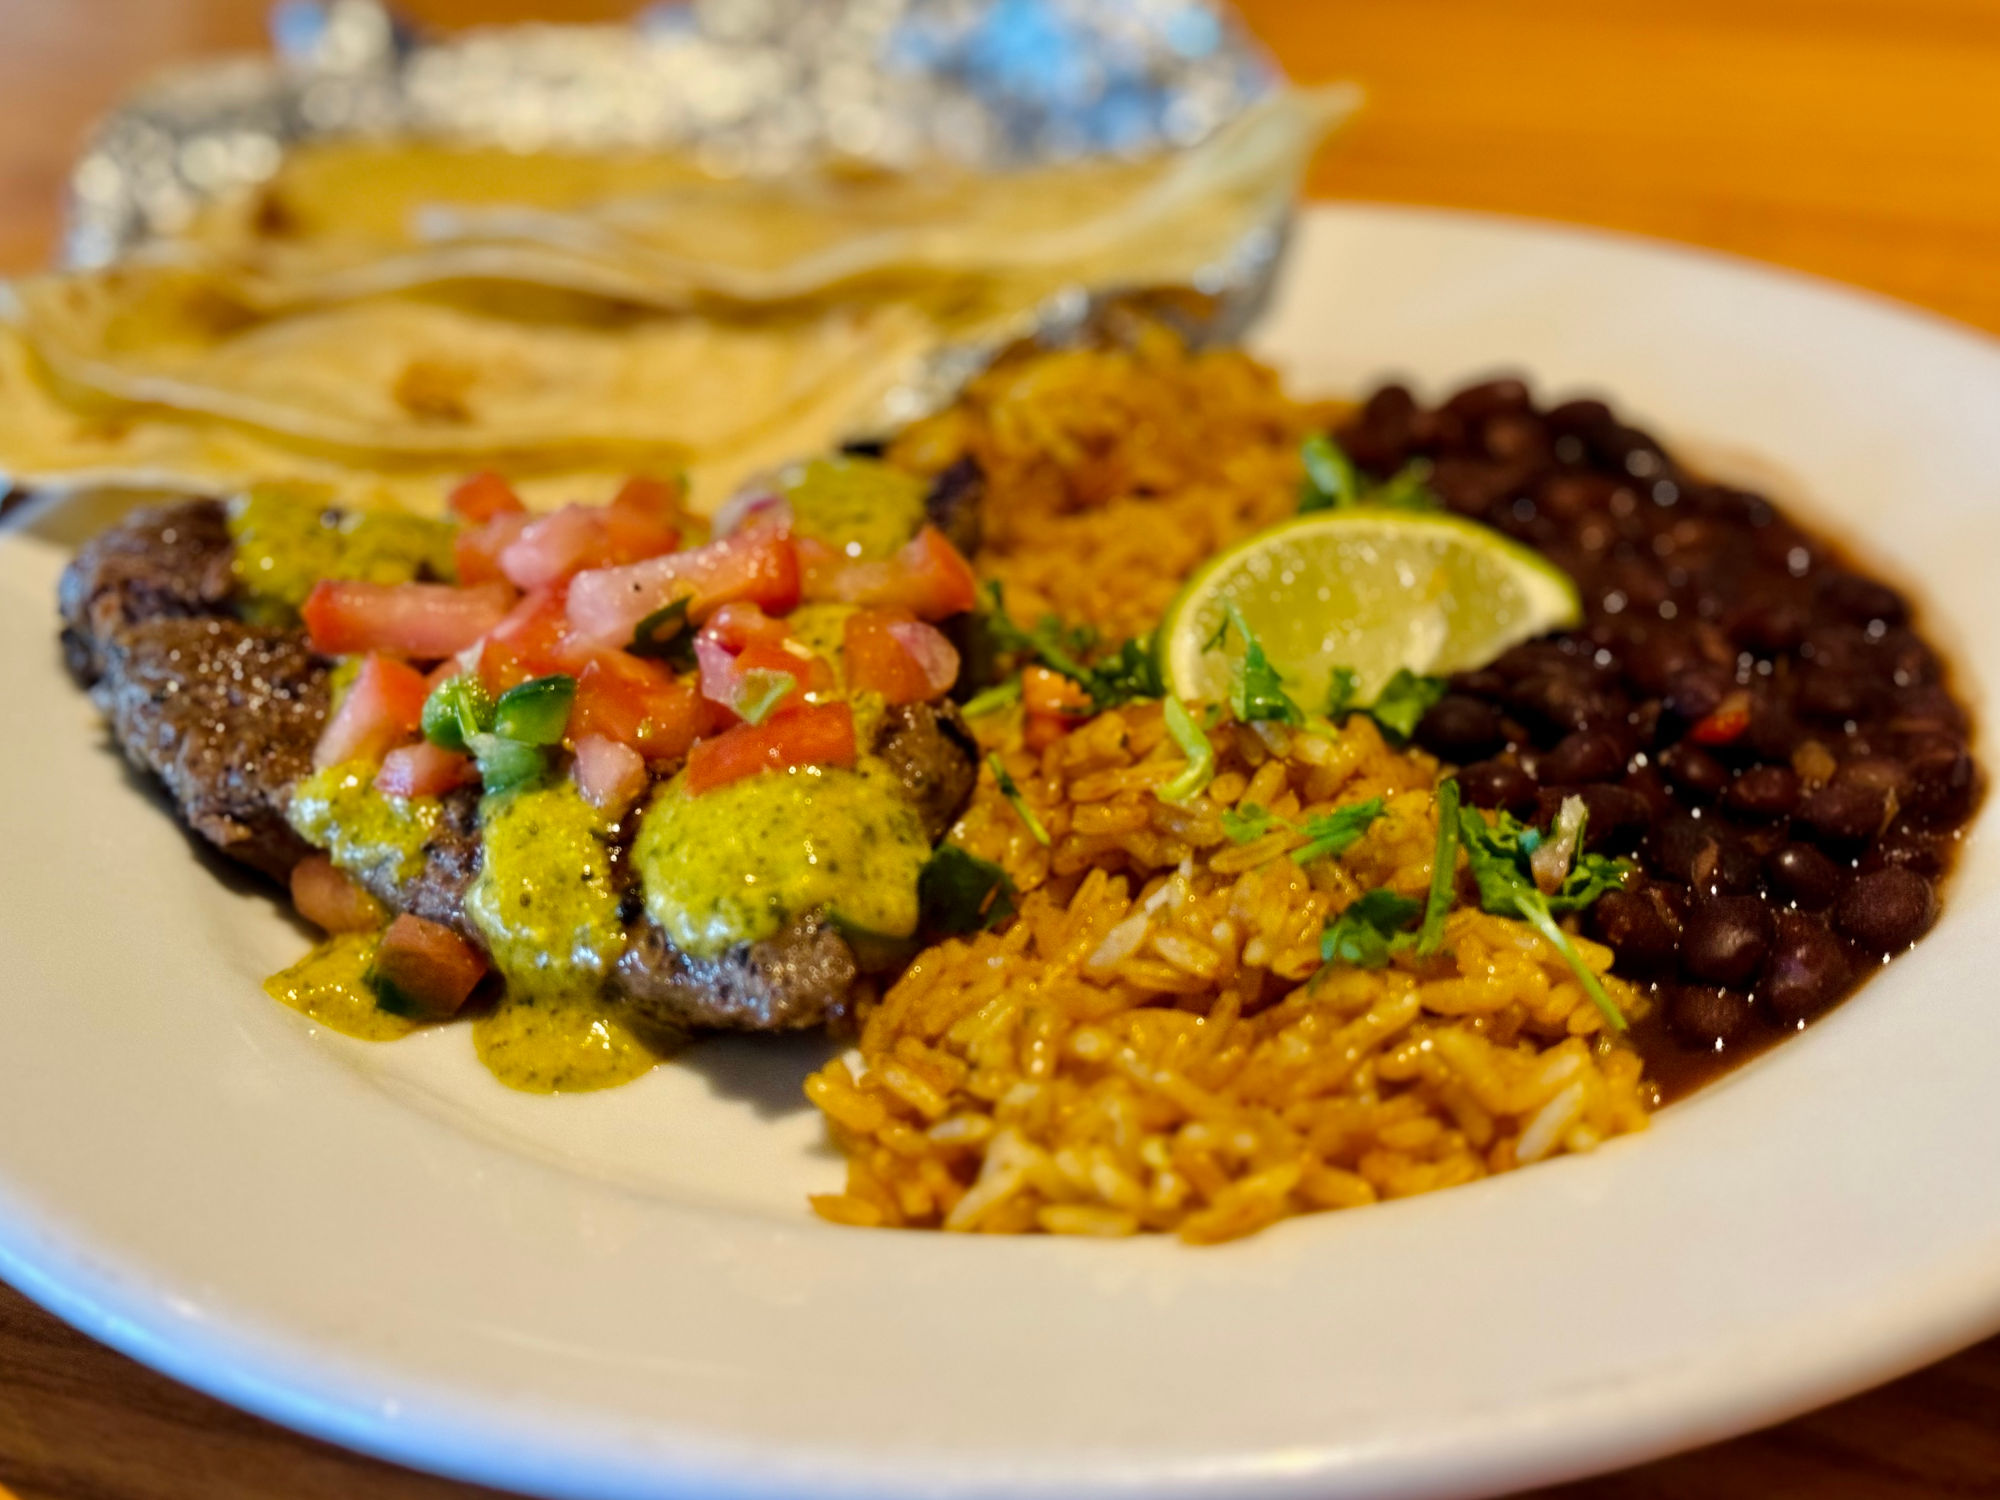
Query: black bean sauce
<point>1746,713</point>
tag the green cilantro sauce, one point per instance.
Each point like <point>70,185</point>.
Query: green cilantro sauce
<point>863,507</point>
<point>545,904</point>
<point>735,864</point>
<point>376,839</point>
<point>327,986</point>
<point>287,539</point>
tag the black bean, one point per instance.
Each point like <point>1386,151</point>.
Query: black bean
<point>1616,818</point>
<point>1589,755</point>
<point>1729,868</point>
<point>1489,398</point>
<point>1497,783</point>
<point>1887,910</point>
<point>1764,793</point>
<point>1911,848</point>
<point>1516,438</point>
<point>1826,692</point>
<point>1775,731</point>
<point>1805,972</point>
<point>1844,816</point>
<point>1636,927</point>
<point>1771,628</point>
<point>1382,435</point>
<point>1726,939</point>
<point>1941,777</point>
<point>1708,1018</point>
<point>1852,597</point>
<point>1696,692</point>
<point>1473,486</point>
<point>1579,418</point>
<point>1799,873</point>
<point>1460,728</point>
<point>1656,659</point>
<point>1650,787</point>
<point>1694,771</point>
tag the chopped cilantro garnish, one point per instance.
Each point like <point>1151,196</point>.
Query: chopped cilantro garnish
<point>1333,482</point>
<point>959,892</point>
<point>1370,931</point>
<point>761,691</point>
<point>1340,692</point>
<point>1012,793</point>
<point>1125,674</point>
<point>1336,832</point>
<point>537,711</point>
<point>993,699</point>
<point>1404,700</point>
<point>1444,870</point>
<point>1250,822</point>
<point>457,708</point>
<point>1499,855</point>
<point>1194,745</point>
<point>1256,692</point>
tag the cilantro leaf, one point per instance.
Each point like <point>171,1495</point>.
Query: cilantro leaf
<point>1250,822</point>
<point>1012,793</point>
<point>1340,692</point>
<point>1332,481</point>
<point>993,699</point>
<point>958,892</point>
<point>1195,745</point>
<point>1498,856</point>
<point>1444,870</point>
<point>1404,700</point>
<point>1256,692</point>
<point>1369,932</point>
<point>664,636</point>
<point>1128,673</point>
<point>1336,832</point>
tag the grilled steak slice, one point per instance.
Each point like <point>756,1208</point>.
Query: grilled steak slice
<point>167,562</point>
<point>226,715</point>
<point>785,983</point>
<point>935,757</point>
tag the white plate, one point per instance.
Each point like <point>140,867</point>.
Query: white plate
<point>623,1295</point>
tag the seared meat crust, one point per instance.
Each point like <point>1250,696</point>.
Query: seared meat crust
<point>165,562</point>
<point>226,715</point>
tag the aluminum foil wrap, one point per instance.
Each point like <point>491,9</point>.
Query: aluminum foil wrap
<point>746,89</point>
<point>753,87</point>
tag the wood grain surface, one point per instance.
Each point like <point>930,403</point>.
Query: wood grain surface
<point>1856,139</point>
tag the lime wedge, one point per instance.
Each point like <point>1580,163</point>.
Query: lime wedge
<point>1365,589</point>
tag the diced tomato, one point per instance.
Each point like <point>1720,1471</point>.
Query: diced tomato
<point>424,969</point>
<point>927,577</point>
<point>1727,724</point>
<point>483,497</point>
<point>533,641</point>
<point>427,621</point>
<point>643,496</point>
<point>891,652</point>
<point>638,703</point>
<point>609,775</point>
<point>739,682</point>
<point>760,566</point>
<point>1046,692</point>
<point>329,899</point>
<point>423,770</point>
<point>735,626</point>
<point>814,734</point>
<point>383,708</point>
<point>475,550</point>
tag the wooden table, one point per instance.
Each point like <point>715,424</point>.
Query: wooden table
<point>1859,139</point>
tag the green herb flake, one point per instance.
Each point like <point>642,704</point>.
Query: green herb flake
<point>1334,833</point>
<point>506,764</point>
<point>1444,870</point>
<point>1013,794</point>
<point>993,700</point>
<point>1498,855</point>
<point>1256,692</point>
<point>1340,692</point>
<point>1404,700</point>
<point>1370,932</point>
<point>1194,745</point>
<point>1331,480</point>
<point>1250,822</point>
<point>959,892</point>
<point>1122,676</point>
